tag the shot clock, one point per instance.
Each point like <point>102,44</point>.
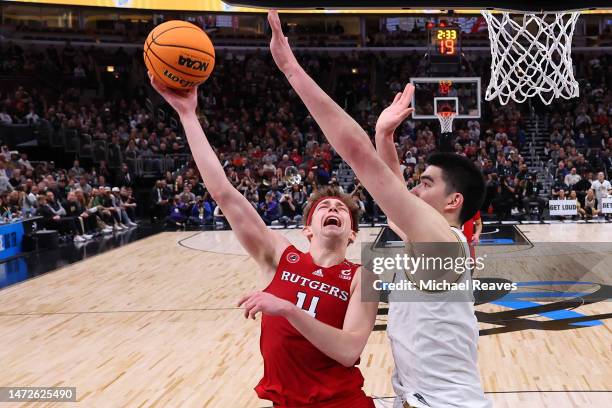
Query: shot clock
<point>445,41</point>
<point>444,49</point>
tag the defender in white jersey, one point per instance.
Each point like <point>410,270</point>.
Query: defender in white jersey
<point>450,193</point>
<point>434,339</point>
<point>434,335</point>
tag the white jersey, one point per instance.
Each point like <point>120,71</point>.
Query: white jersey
<point>434,343</point>
<point>601,191</point>
<point>601,188</point>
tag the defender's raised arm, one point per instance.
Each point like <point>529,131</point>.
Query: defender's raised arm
<point>353,144</point>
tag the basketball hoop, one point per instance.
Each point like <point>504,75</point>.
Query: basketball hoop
<point>531,56</point>
<point>446,121</point>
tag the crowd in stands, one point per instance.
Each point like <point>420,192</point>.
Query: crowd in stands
<point>263,135</point>
<point>78,203</point>
<point>579,149</point>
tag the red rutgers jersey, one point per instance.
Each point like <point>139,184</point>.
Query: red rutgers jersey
<point>468,227</point>
<point>468,231</point>
<point>296,373</point>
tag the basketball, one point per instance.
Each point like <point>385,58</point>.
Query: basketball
<point>179,54</point>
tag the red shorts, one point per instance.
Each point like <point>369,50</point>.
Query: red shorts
<point>355,401</point>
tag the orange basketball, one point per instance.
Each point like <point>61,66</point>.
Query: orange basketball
<point>179,54</point>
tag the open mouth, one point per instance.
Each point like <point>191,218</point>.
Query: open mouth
<point>332,220</point>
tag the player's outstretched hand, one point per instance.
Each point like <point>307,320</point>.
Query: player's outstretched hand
<point>397,112</point>
<point>182,101</point>
<point>279,45</point>
<point>266,303</point>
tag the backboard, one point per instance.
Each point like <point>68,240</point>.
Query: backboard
<point>461,95</point>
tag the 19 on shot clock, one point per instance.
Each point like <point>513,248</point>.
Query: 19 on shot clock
<point>446,41</point>
<point>444,49</point>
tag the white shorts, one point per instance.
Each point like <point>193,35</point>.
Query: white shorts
<point>385,402</point>
<point>389,402</point>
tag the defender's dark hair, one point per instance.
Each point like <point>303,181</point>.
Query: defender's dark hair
<point>461,176</point>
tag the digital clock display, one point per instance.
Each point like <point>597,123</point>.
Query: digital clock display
<point>446,41</point>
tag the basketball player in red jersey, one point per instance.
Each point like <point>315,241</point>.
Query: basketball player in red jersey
<point>314,324</point>
<point>433,340</point>
<point>472,230</point>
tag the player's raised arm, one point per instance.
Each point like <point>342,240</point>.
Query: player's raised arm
<point>354,146</point>
<point>264,245</point>
<point>387,122</point>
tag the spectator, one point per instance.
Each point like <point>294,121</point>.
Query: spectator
<point>77,169</point>
<point>16,178</point>
<point>602,188</point>
<point>129,204</point>
<point>104,216</point>
<point>105,205</point>
<point>285,162</point>
<point>298,196</point>
<point>125,178</point>
<point>531,194</point>
<point>201,212</point>
<point>561,171</point>
<point>177,212</point>
<point>14,202</point>
<point>187,196</point>
<point>84,185</point>
<point>504,199</point>
<point>120,208</point>
<point>269,209</point>
<point>558,184</point>
<point>572,178</point>
<point>310,183</point>
<point>590,208</point>
<point>23,161</point>
<point>289,210</point>
<point>30,203</point>
<point>74,209</point>
<point>159,201</point>
<point>84,200</point>
<point>574,197</point>
<point>54,217</point>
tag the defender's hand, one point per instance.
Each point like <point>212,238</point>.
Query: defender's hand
<point>397,112</point>
<point>279,45</point>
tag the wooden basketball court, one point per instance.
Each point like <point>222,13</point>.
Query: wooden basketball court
<point>155,324</point>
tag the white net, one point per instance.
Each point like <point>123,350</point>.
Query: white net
<point>532,56</point>
<point>446,121</point>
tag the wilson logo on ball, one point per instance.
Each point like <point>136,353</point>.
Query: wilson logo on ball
<point>193,64</point>
<point>178,80</point>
